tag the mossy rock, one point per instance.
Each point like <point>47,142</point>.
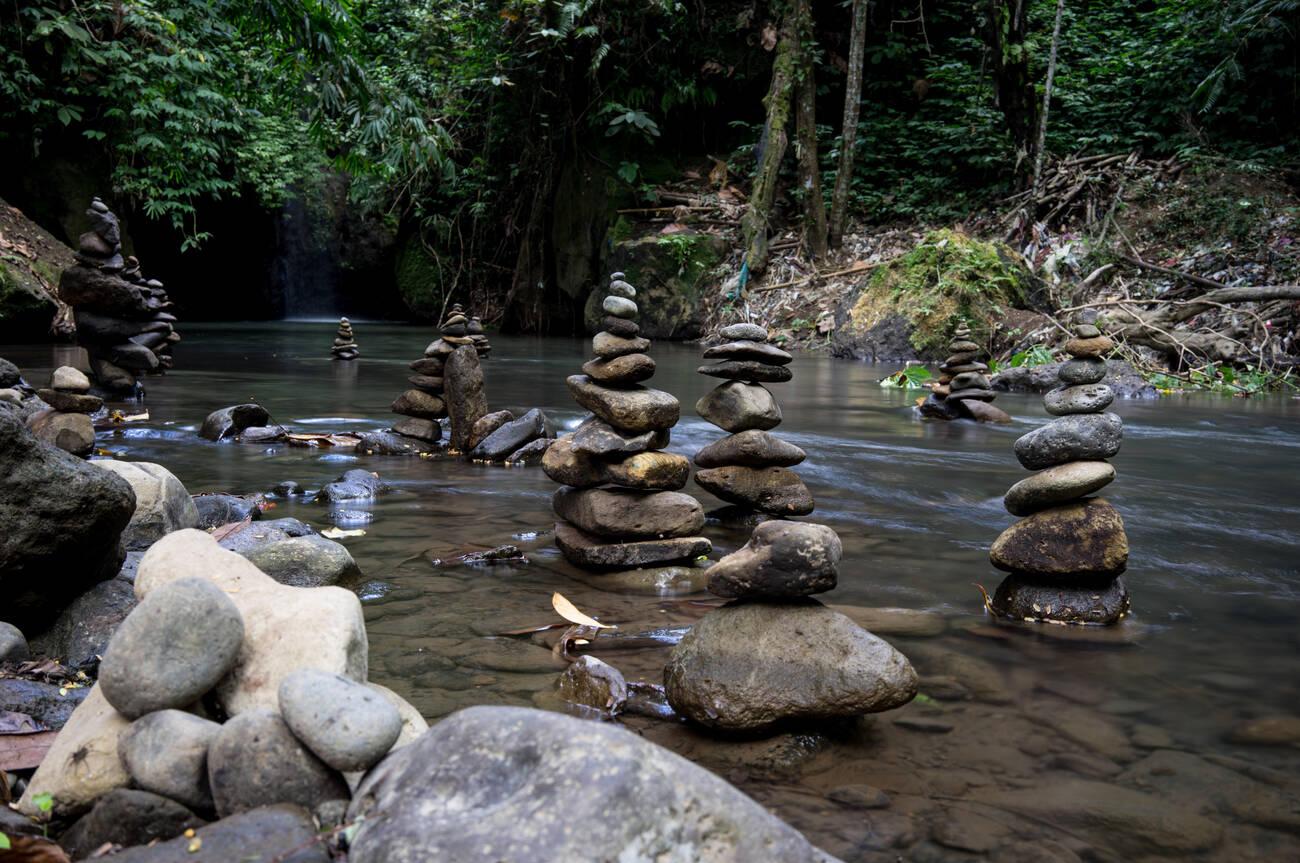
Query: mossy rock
<point>419,279</point>
<point>669,272</point>
<point>909,308</point>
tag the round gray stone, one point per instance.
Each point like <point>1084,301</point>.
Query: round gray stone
<point>743,332</point>
<point>255,761</point>
<point>166,752</point>
<point>173,648</point>
<point>1082,371</point>
<point>1058,485</point>
<point>619,307</point>
<point>1079,399</point>
<point>346,724</point>
<point>1081,437</point>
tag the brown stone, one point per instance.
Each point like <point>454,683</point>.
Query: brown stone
<point>1058,485</point>
<point>487,424</point>
<point>70,432</point>
<point>982,411</point>
<point>1022,597</point>
<point>1083,540</point>
<point>584,550</point>
<point>773,490</point>
<point>1097,346</point>
<point>626,514</point>
<point>654,471</point>
<point>751,448</point>
<point>70,402</point>
<point>747,370</point>
<point>627,369</point>
<point>635,409</point>
<point>416,403</point>
<point>428,383</point>
<point>608,346</point>
<point>466,403</point>
<point>431,366</point>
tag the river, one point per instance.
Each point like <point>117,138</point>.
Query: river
<point>1209,488</point>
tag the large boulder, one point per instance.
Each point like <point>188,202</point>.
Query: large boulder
<point>228,422</point>
<point>748,667</point>
<point>80,635</point>
<point>63,521</point>
<point>506,783</point>
<point>161,503</point>
<point>285,628</point>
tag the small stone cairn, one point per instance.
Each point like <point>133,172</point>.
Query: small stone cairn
<point>122,317</point>
<point>963,390</point>
<point>749,468</point>
<point>775,656</point>
<point>345,343</point>
<point>423,404</point>
<point>475,331</point>
<point>66,424</point>
<point>621,507</point>
<point>1068,552</point>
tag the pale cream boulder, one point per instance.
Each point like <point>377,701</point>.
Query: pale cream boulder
<point>83,763</point>
<point>162,505</point>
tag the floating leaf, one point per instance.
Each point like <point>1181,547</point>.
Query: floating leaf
<point>570,612</point>
<point>340,533</point>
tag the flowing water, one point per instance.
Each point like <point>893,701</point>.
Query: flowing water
<point>1209,489</point>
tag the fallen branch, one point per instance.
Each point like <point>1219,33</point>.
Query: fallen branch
<point>1178,274</point>
<point>794,283</point>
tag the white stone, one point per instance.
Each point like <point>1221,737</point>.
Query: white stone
<point>162,505</point>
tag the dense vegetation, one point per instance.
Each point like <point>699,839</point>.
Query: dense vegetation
<point>478,127</point>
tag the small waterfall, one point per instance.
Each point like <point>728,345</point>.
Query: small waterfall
<point>305,275</point>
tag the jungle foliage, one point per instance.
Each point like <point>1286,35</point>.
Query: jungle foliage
<point>459,117</point>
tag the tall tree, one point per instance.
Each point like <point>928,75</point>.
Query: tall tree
<point>771,148</point>
<point>1013,88</point>
<point>849,126</point>
<point>814,206</point>
<point>1041,147</point>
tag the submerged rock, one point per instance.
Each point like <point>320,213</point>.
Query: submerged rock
<point>589,682</point>
<point>1027,598</point>
<point>229,422</point>
<point>750,666</point>
<point>504,783</point>
<point>355,484</point>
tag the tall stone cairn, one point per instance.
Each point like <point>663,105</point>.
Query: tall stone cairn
<point>476,333</point>
<point>1068,552</point>
<point>621,507</point>
<point>345,343</point>
<point>963,390</point>
<point>749,468</point>
<point>123,318</point>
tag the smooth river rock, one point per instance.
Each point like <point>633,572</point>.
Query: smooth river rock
<point>1082,437</point>
<point>487,424</point>
<point>635,409</point>
<point>773,490</point>
<point>1057,485</point>
<point>228,422</point>
<point>346,724</point>
<point>1023,597</point>
<point>738,406</point>
<point>256,760</point>
<point>584,550</point>
<point>285,628</point>
<point>166,752</point>
<point>269,834</point>
<point>619,371</point>
<point>653,471</point>
<point>13,644</point>
<point>162,504</point>
<point>490,784</point>
<point>752,448</point>
<point>747,370</point>
<point>745,349</point>
<point>178,642</point>
<point>624,514</point>
<point>420,405</point>
<point>743,332</point>
<point>510,436</point>
<point>1080,399</point>
<point>607,345</point>
<point>304,561</point>
<point>1085,539</point>
<point>1082,371</point>
<point>782,559</point>
<point>594,436</point>
<point>750,666</point>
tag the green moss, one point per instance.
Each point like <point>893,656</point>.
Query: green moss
<point>20,296</point>
<point>668,273</point>
<point>419,278</point>
<point>949,277</point>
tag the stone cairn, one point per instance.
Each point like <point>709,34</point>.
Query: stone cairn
<point>963,390</point>
<point>621,506</point>
<point>1065,557</point>
<point>345,343</point>
<point>775,656</point>
<point>66,424</point>
<point>122,318</point>
<point>749,468</point>
<point>475,330</point>
<point>447,382</point>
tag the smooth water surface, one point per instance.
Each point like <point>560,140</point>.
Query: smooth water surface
<point>1209,489</point>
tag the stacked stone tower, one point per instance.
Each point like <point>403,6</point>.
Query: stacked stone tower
<point>963,390</point>
<point>621,507</point>
<point>475,330</point>
<point>345,343</point>
<point>1068,552</point>
<point>749,468</point>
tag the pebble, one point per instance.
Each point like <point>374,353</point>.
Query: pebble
<point>346,724</point>
<point>166,752</point>
<point>172,648</point>
<point>743,332</point>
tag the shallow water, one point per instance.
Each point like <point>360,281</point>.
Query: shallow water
<point>1209,489</point>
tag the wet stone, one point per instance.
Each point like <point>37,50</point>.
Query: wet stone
<point>751,448</point>
<point>1024,597</point>
<point>1080,399</point>
<point>1057,485</point>
<point>1081,437</point>
<point>585,550</point>
<point>487,424</point>
<point>774,490</point>
<point>421,429</point>
<point>598,438</point>
<point>626,514</point>
<point>781,560</point>
<point>595,684</point>
<point>747,370</point>
<point>743,332</point>
<point>637,409</point>
<point>512,435</point>
<point>530,453</point>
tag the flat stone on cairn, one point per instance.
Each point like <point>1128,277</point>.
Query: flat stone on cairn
<point>750,468</point>
<point>1067,554</point>
<point>643,519</point>
<point>776,657</point>
<point>345,343</point>
<point>963,390</point>
<point>476,334</point>
<point>66,424</point>
<point>425,402</point>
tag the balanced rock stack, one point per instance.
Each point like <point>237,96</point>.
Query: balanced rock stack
<point>475,330</point>
<point>122,318</point>
<point>963,389</point>
<point>621,507</point>
<point>447,381</point>
<point>345,343</point>
<point>66,424</point>
<point>776,656</point>
<point>749,468</point>
<point>1065,557</point>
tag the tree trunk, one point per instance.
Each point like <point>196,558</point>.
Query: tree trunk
<point>1013,89</point>
<point>771,148</point>
<point>849,127</point>
<point>1041,147</point>
<point>810,172</point>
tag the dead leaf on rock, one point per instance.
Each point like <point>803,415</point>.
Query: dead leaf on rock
<point>230,529</point>
<point>570,612</point>
<point>33,849</point>
<point>12,722</point>
<point>340,533</point>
